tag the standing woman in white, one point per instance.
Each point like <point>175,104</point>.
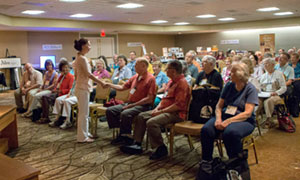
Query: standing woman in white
<point>83,88</point>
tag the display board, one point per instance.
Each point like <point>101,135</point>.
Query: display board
<point>267,43</point>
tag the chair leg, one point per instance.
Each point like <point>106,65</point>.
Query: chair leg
<point>147,141</point>
<point>114,133</point>
<point>219,146</point>
<point>258,126</point>
<point>190,142</point>
<point>171,141</point>
<point>254,149</point>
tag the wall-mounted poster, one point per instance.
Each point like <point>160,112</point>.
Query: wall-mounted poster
<point>267,43</point>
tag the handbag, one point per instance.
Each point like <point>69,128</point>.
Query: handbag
<point>285,121</point>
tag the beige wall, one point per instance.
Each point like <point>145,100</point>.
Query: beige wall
<point>37,39</point>
<point>15,42</point>
<point>154,43</point>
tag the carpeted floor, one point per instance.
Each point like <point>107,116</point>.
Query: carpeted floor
<point>58,156</point>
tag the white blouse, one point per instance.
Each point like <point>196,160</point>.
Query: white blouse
<point>82,73</point>
<point>274,82</point>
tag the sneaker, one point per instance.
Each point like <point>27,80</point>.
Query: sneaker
<point>65,125</point>
<point>27,114</point>
<point>43,121</point>
<point>122,140</point>
<point>88,140</point>
<point>52,124</point>
<point>160,152</point>
<point>132,149</point>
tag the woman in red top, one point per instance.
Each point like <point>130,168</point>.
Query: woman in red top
<point>62,87</point>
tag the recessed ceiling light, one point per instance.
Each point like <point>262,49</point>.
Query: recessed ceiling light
<point>72,0</point>
<point>283,13</point>
<point>206,16</point>
<point>130,6</point>
<point>33,12</point>
<point>81,15</point>
<point>182,23</point>
<point>227,19</point>
<point>268,9</point>
<point>159,21</point>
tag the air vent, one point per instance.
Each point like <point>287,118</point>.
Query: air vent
<point>133,13</point>
<point>232,10</point>
<point>194,3</point>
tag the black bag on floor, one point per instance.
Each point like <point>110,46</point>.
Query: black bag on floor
<point>233,169</point>
<point>293,105</point>
<point>36,114</point>
<point>203,104</point>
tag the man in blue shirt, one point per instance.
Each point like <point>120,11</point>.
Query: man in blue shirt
<point>189,57</point>
<point>131,64</point>
<point>287,70</point>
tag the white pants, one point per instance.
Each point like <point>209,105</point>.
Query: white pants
<point>37,98</point>
<point>65,104</point>
<point>83,97</point>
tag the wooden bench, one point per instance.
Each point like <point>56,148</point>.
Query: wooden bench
<point>12,169</point>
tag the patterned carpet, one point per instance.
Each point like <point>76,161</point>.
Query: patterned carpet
<point>58,156</point>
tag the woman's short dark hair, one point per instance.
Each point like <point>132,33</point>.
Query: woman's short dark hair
<point>79,43</point>
<point>123,57</point>
<point>62,63</point>
<point>176,65</point>
<point>255,58</point>
<point>47,62</point>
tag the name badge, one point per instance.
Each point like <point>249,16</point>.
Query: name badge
<point>203,82</point>
<point>269,87</point>
<point>47,83</point>
<point>231,110</point>
<point>165,94</point>
<point>116,78</point>
<point>132,91</point>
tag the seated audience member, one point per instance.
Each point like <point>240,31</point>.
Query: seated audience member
<point>115,64</point>
<point>62,107</point>
<point>287,70</point>
<point>220,56</point>
<point>63,86</point>
<point>259,56</point>
<point>105,63</point>
<point>50,78</point>
<point>123,72</point>
<point>258,68</point>
<point>237,58</point>
<point>209,75</point>
<point>291,51</point>
<point>272,82</point>
<point>131,64</point>
<point>172,109</point>
<point>252,80</point>
<point>226,70</point>
<point>234,116</point>
<point>154,58</point>
<point>186,73</point>
<point>268,55</point>
<point>150,68</point>
<point>161,80</point>
<point>141,96</point>
<point>296,65</point>
<point>101,71</point>
<point>298,52</point>
<point>30,83</point>
<point>189,58</point>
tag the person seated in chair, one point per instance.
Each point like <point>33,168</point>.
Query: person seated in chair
<point>172,109</point>
<point>273,83</point>
<point>31,82</point>
<point>49,81</point>
<point>62,87</point>
<point>209,75</point>
<point>234,116</point>
<point>141,96</point>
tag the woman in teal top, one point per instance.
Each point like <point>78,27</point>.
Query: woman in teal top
<point>161,80</point>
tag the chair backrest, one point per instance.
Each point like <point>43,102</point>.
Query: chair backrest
<point>189,100</point>
<point>102,93</point>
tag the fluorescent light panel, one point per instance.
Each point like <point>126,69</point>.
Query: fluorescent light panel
<point>72,0</point>
<point>181,23</point>
<point>283,13</point>
<point>33,12</point>
<point>130,6</point>
<point>81,15</point>
<point>268,9</point>
<point>206,16</point>
<point>227,19</point>
<point>159,21</point>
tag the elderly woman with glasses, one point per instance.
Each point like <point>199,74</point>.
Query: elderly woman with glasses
<point>234,116</point>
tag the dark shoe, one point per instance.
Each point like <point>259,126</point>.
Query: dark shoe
<point>103,119</point>
<point>124,140</point>
<point>205,170</point>
<point>21,110</point>
<point>43,121</point>
<point>132,149</point>
<point>160,152</point>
